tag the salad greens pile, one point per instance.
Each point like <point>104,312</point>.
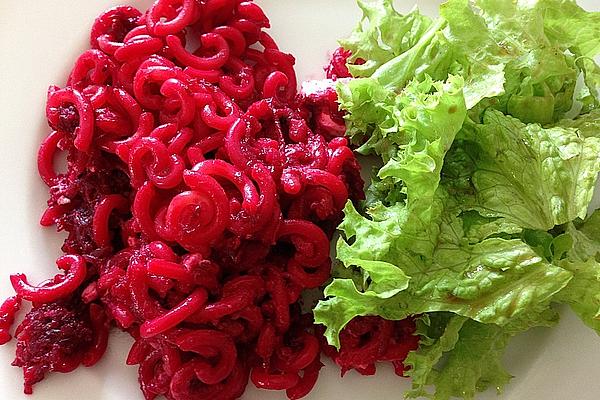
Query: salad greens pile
<point>487,122</point>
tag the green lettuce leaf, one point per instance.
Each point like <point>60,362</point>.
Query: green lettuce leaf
<point>589,94</point>
<point>391,119</point>
<point>533,177</point>
<point>430,56</point>
<point>481,59</point>
<point>370,119</point>
<point>439,333</point>
<point>586,125</point>
<point>477,228</point>
<point>578,31</point>
<point>573,27</point>
<point>381,35</point>
<point>473,364</point>
<point>582,294</point>
<point>492,281</point>
<point>461,357</point>
<point>540,76</point>
<point>582,259</point>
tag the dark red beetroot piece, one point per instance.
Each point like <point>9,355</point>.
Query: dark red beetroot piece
<point>53,337</point>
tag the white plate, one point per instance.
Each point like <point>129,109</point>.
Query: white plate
<point>39,40</point>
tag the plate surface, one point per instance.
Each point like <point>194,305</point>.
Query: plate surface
<point>39,41</point>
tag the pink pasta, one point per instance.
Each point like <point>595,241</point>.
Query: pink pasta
<point>200,196</point>
<point>8,309</point>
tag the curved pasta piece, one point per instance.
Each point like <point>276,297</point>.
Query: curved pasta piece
<point>61,287</point>
<point>110,28</point>
<point>176,315</point>
<point>69,111</point>
<point>164,170</point>
<point>210,344</point>
<point>207,41</point>
<point>166,17</point>
<point>100,221</point>
<point>8,310</point>
<point>312,246</point>
<point>93,67</point>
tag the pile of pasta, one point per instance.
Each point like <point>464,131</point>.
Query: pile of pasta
<point>200,196</point>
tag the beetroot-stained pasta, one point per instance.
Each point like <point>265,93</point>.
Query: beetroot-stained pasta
<point>102,214</point>
<point>68,110</point>
<point>101,327</point>
<point>110,28</point>
<point>175,316</point>
<point>199,199</point>
<point>8,309</point>
<point>59,287</point>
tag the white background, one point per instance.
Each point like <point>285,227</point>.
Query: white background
<point>39,40</point>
